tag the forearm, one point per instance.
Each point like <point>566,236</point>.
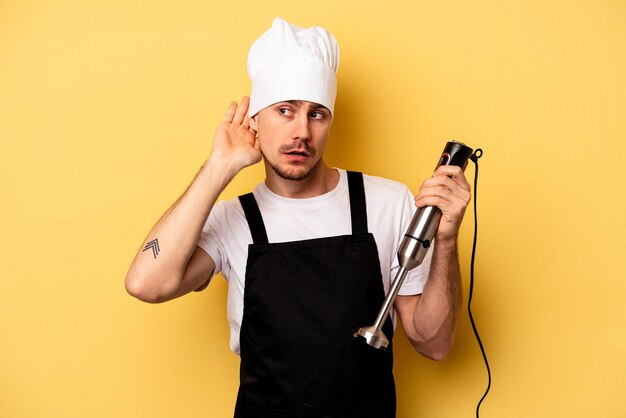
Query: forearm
<point>436,314</point>
<point>159,266</point>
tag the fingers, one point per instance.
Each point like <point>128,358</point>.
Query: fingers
<point>238,113</point>
<point>456,184</point>
<point>455,173</point>
<point>246,121</point>
<point>242,110</point>
<point>448,186</point>
<point>452,206</point>
<point>230,112</point>
<point>442,199</point>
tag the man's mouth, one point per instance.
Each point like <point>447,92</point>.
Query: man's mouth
<point>298,153</point>
<point>297,156</point>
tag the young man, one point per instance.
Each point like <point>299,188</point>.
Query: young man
<point>310,254</point>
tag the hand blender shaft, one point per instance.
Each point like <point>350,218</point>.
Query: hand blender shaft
<point>414,246</point>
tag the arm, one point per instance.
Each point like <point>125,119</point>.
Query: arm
<point>168,263</point>
<point>430,319</point>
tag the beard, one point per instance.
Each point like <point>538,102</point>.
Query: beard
<point>294,173</point>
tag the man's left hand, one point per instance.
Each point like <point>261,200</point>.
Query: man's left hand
<point>448,190</point>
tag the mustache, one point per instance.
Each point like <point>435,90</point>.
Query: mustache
<point>296,146</point>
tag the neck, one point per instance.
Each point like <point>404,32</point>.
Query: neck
<point>321,180</point>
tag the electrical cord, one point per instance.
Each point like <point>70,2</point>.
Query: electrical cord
<point>474,157</point>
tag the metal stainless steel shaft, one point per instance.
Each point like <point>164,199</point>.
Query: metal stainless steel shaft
<point>414,247</point>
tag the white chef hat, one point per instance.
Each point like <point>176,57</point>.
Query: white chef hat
<point>292,63</point>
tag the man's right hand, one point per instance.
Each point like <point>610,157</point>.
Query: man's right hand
<point>235,145</point>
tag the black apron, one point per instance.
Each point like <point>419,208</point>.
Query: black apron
<point>303,300</point>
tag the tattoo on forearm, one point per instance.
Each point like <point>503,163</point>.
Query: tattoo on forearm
<point>154,245</point>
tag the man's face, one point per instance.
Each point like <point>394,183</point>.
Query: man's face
<point>292,136</point>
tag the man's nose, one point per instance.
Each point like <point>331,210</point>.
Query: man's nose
<point>301,127</point>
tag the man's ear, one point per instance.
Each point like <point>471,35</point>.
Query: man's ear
<point>253,123</point>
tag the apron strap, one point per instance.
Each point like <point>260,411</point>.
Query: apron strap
<point>255,220</point>
<point>358,209</point>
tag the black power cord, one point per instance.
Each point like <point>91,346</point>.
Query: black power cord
<point>474,157</point>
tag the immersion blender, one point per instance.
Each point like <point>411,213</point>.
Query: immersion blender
<point>414,246</point>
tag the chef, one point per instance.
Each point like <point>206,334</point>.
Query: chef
<point>309,254</point>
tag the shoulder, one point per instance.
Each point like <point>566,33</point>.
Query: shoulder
<point>228,207</point>
<point>388,199</point>
<point>385,186</point>
<point>226,212</point>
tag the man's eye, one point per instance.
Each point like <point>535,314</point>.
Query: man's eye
<point>317,115</point>
<point>284,111</point>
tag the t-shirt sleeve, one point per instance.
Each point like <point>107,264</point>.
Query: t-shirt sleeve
<point>210,241</point>
<point>416,279</point>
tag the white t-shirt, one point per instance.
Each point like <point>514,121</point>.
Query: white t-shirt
<point>226,234</point>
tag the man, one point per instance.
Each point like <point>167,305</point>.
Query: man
<point>310,253</point>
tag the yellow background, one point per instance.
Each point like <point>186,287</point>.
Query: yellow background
<point>107,110</point>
